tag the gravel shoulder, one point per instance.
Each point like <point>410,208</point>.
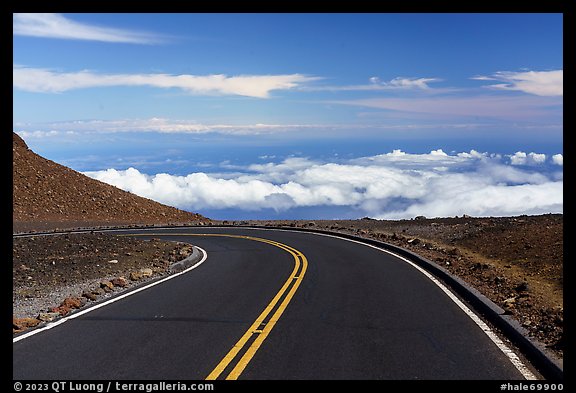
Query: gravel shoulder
<point>53,275</point>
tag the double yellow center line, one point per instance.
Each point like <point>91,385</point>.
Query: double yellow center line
<point>236,360</point>
<point>265,322</point>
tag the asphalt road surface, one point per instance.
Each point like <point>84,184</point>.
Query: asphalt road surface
<point>269,304</point>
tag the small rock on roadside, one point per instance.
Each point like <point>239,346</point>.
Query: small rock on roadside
<point>90,295</point>
<point>106,285</point>
<point>146,272</point>
<point>23,323</point>
<point>72,302</point>
<point>48,316</point>
<point>119,282</point>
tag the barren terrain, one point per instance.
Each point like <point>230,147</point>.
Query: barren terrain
<point>52,275</point>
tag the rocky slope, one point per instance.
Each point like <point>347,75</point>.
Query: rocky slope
<point>48,195</point>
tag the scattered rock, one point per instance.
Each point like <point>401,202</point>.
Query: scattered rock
<point>71,302</point>
<point>480,266</point>
<point>23,323</point>
<point>527,323</point>
<point>120,282</point>
<point>90,295</point>
<point>48,316</point>
<point>499,280</point>
<point>99,291</point>
<point>60,310</point>
<point>106,285</point>
<point>67,305</point>
<point>146,272</point>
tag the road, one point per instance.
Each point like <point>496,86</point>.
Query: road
<point>268,304</point>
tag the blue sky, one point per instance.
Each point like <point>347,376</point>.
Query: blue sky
<point>301,115</point>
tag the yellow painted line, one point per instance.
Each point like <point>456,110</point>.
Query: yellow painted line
<point>243,362</point>
<point>290,286</point>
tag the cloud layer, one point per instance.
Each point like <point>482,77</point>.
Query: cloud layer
<point>159,125</point>
<point>60,27</point>
<point>540,83</point>
<point>393,185</point>
<point>375,84</point>
<point>260,86</point>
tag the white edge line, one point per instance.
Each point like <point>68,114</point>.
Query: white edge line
<point>112,300</point>
<point>514,359</point>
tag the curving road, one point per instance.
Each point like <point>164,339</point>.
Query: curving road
<point>268,304</point>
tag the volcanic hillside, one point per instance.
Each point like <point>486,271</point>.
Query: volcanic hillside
<point>47,195</point>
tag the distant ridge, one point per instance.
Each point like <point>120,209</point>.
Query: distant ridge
<point>47,195</point>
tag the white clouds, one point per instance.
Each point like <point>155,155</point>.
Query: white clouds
<point>472,154</point>
<point>558,159</point>
<point>58,26</point>
<point>392,185</point>
<point>541,83</point>
<point>163,126</point>
<point>196,190</point>
<point>414,96</point>
<point>376,84</point>
<point>521,158</point>
<point>485,200</point>
<point>404,83</point>
<point>38,134</point>
<point>259,86</point>
<point>436,159</point>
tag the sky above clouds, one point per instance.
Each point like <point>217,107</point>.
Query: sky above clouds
<point>301,115</point>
